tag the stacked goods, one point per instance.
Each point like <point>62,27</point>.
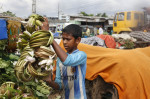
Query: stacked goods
<point>37,59</point>
<point>95,41</point>
<point>124,41</point>
<point>143,36</point>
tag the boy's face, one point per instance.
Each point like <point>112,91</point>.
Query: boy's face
<point>70,43</point>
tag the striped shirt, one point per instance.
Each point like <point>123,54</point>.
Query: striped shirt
<point>70,75</point>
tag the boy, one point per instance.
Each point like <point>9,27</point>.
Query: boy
<point>71,66</point>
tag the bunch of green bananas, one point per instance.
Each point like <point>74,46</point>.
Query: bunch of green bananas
<point>20,67</point>
<point>41,38</point>
<point>9,90</point>
<point>34,48</point>
<point>26,70</point>
<point>4,89</point>
<point>34,23</point>
<point>44,53</point>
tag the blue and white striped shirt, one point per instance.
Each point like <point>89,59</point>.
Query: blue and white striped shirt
<point>70,74</point>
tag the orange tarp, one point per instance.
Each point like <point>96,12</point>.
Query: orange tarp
<point>109,40</point>
<point>128,70</point>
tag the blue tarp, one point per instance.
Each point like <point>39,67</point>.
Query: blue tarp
<point>56,34</point>
<point>3,29</point>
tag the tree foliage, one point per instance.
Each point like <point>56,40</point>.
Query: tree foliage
<point>98,14</point>
<point>9,13</point>
<point>104,15</point>
<point>85,14</point>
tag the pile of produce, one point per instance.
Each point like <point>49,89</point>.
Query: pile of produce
<point>124,41</point>
<point>6,70</point>
<point>35,62</point>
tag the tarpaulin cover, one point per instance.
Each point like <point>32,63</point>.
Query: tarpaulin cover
<point>3,29</point>
<point>128,70</point>
<point>14,29</point>
<point>94,40</point>
<point>109,40</point>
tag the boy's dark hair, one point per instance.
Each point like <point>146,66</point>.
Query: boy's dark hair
<point>74,30</point>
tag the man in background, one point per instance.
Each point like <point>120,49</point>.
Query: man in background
<point>101,30</point>
<point>87,31</point>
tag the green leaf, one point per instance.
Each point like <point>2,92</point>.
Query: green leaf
<point>3,63</point>
<point>39,94</point>
<point>13,57</point>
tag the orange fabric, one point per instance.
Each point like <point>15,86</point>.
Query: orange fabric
<point>128,70</point>
<point>109,40</point>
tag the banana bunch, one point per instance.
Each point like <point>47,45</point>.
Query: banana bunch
<point>9,90</point>
<point>21,72</point>
<point>34,23</point>
<point>41,38</point>
<point>4,89</point>
<point>23,40</point>
<point>27,68</point>
<point>38,74</point>
<point>36,59</point>
<point>45,52</point>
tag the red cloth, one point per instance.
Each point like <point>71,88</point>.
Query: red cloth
<point>109,40</point>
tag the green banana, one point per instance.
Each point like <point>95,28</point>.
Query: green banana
<point>35,46</point>
<point>31,21</point>
<point>26,79</point>
<point>50,41</point>
<point>40,36</point>
<point>38,23</point>
<point>38,33</point>
<point>30,29</point>
<point>23,36</point>
<point>24,41</point>
<point>27,34</point>
<point>35,73</point>
<point>40,40</point>
<point>45,49</point>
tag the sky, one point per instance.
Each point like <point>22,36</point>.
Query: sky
<point>23,8</point>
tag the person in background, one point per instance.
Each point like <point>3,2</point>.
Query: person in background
<point>101,30</point>
<point>71,66</point>
<point>95,31</point>
<point>87,31</point>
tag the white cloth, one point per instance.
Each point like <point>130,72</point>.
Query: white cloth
<point>100,30</point>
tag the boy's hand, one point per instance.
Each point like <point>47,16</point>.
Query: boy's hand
<point>48,79</point>
<point>45,25</point>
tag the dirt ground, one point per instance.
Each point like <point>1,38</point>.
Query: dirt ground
<point>99,89</point>
<point>95,89</point>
